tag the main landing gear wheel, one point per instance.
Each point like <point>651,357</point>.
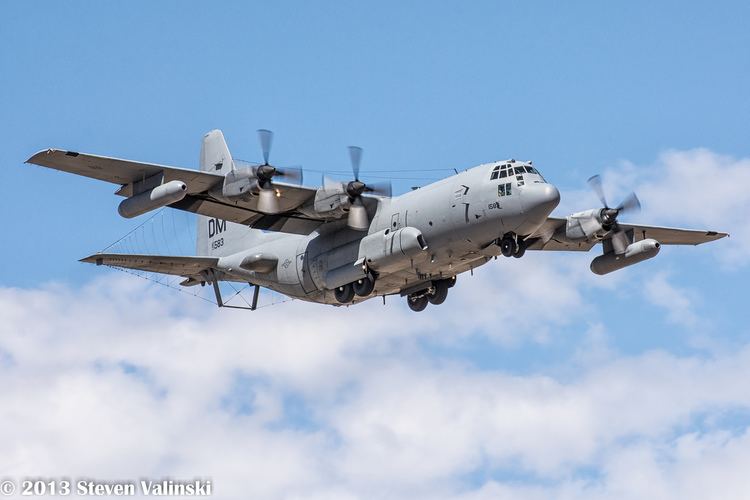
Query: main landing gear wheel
<point>508,246</point>
<point>439,292</point>
<point>364,286</point>
<point>520,250</point>
<point>344,294</point>
<point>417,304</point>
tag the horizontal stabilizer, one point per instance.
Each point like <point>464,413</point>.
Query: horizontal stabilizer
<point>165,264</point>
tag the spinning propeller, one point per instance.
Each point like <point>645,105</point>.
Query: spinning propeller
<point>354,189</point>
<point>268,196</point>
<point>609,215</point>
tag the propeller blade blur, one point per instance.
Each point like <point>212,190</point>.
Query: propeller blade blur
<point>631,203</point>
<point>355,155</point>
<point>380,188</point>
<point>596,185</point>
<point>289,174</point>
<point>266,139</point>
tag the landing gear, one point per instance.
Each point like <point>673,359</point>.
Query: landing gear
<point>417,303</point>
<point>344,294</point>
<point>439,292</point>
<point>512,246</point>
<point>508,245</point>
<point>436,294</point>
<point>364,286</point>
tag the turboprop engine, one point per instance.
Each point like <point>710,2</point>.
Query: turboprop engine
<point>152,199</point>
<point>634,253</point>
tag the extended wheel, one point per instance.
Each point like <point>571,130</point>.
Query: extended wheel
<point>508,246</point>
<point>439,293</point>
<point>417,304</point>
<point>364,287</point>
<point>520,250</point>
<point>344,294</point>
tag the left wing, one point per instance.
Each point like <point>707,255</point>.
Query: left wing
<point>551,236</point>
<point>131,175</point>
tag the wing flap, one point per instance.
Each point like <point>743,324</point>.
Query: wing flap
<point>164,264</point>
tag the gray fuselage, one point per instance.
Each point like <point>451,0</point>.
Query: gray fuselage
<point>460,218</point>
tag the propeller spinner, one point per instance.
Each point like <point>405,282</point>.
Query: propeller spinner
<point>268,195</point>
<point>608,215</point>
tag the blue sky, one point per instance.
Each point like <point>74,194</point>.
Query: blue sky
<point>651,94</point>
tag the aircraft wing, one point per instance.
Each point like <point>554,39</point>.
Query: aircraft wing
<point>165,264</point>
<point>552,236</point>
<point>199,184</point>
<point>123,172</point>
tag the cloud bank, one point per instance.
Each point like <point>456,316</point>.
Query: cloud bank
<point>121,379</point>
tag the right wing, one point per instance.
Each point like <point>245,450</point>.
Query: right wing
<point>200,185</point>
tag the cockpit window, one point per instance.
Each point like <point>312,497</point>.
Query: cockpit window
<point>518,170</point>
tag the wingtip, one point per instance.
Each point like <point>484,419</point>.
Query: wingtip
<point>40,153</point>
<point>92,259</point>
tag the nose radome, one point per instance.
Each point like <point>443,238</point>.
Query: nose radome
<point>541,198</point>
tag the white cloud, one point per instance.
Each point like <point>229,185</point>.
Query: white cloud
<point>679,303</point>
<point>123,380</point>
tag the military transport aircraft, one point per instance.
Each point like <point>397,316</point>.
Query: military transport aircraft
<point>346,242</point>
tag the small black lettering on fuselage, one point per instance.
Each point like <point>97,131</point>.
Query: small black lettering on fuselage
<point>493,206</point>
<point>216,226</point>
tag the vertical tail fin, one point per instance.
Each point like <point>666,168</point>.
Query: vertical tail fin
<point>215,158</point>
<point>217,237</point>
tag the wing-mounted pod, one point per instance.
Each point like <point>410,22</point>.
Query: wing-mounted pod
<point>150,198</point>
<point>633,254</point>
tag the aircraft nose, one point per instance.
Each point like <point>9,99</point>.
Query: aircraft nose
<point>541,198</point>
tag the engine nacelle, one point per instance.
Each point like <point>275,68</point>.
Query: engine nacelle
<point>389,250</point>
<point>330,202</point>
<point>152,199</point>
<point>634,253</point>
<point>583,225</point>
